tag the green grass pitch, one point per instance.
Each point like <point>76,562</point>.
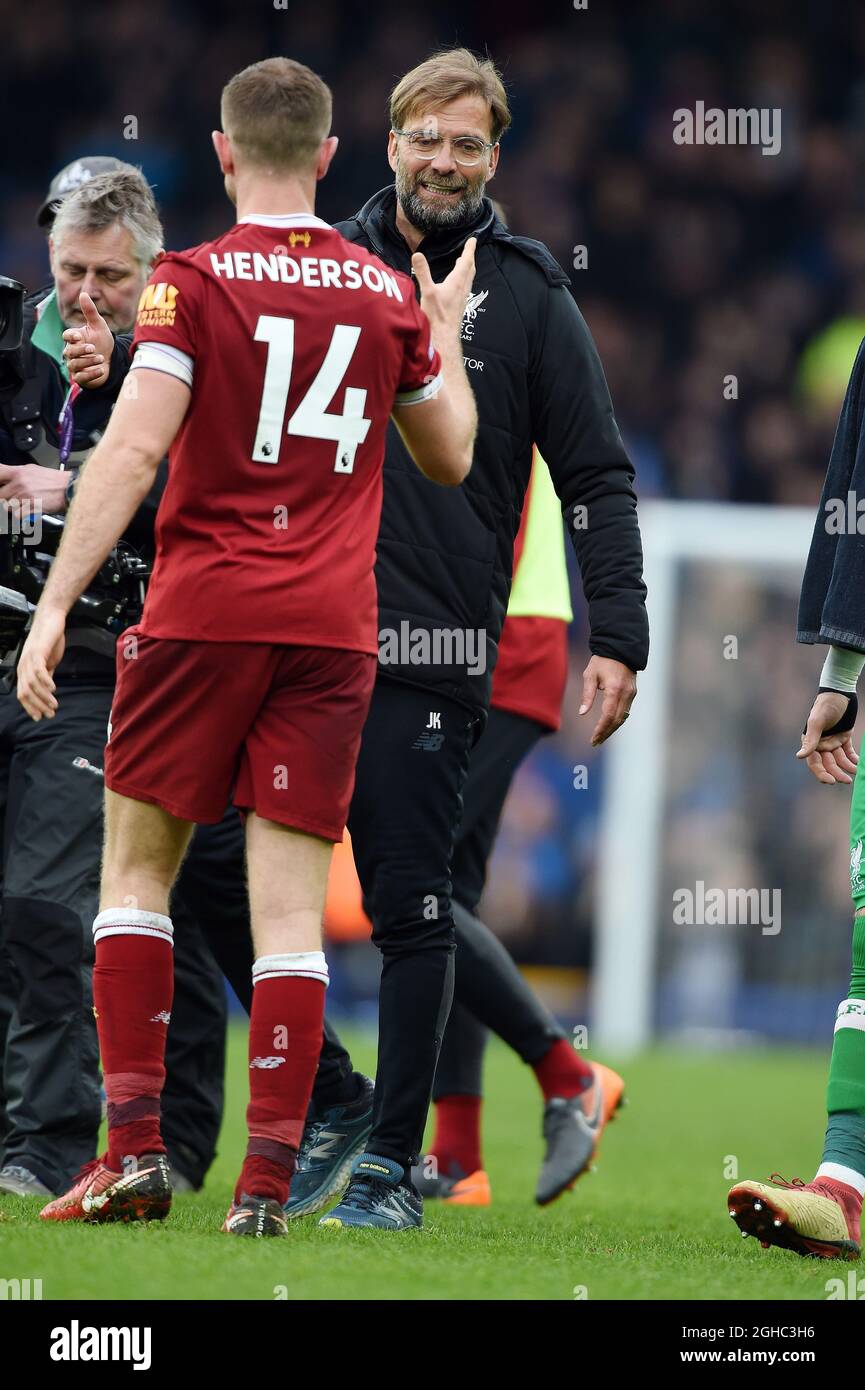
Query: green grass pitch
<point>650,1223</point>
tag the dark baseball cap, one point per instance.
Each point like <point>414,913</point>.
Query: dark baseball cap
<point>71,178</point>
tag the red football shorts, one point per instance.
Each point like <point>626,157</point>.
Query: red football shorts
<point>275,729</point>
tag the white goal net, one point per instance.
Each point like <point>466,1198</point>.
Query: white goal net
<point>723,908</point>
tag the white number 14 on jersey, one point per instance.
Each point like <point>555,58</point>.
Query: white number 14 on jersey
<point>310,419</point>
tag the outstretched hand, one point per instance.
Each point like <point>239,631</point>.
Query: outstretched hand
<point>444,303</point>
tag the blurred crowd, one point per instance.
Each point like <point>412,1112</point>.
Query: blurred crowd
<point>725,288</point>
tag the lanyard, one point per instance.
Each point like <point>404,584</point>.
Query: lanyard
<point>64,423</point>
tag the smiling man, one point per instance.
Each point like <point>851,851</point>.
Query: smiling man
<point>442,173</point>
<point>262,617</point>
<point>444,564</point>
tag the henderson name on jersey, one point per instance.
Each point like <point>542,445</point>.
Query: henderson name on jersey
<point>295,344</point>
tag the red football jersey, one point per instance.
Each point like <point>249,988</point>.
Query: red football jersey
<point>296,344</point>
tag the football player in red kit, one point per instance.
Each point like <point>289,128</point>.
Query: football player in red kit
<point>267,362</point>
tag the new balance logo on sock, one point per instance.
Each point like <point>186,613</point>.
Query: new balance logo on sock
<point>162,1017</point>
<point>266,1063</point>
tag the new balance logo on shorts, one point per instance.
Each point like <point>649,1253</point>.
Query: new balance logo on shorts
<point>267,1063</point>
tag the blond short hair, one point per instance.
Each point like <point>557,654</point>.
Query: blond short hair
<point>276,114</point>
<point>447,75</point>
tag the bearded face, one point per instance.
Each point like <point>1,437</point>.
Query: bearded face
<point>432,201</point>
<point>440,191</point>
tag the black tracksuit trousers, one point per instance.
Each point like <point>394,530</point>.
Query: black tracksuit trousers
<point>410,820</point>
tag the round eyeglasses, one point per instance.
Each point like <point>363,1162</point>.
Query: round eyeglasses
<point>466,149</point>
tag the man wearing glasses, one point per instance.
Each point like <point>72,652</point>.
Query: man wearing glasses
<point>443,569</point>
<point>444,566</point>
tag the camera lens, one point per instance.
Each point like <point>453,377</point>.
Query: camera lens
<point>11,313</point>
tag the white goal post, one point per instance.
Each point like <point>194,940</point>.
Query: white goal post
<point>631,821</point>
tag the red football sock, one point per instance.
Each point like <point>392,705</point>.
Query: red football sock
<point>457,1140</point>
<point>562,1072</point>
<point>133,988</point>
<point>284,1045</point>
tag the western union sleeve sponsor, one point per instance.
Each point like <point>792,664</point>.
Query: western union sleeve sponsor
<point>158,305</point>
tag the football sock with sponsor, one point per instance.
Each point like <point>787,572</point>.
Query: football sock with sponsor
<point>456,1144</point>
<point>844,1149</point>
<point>284,1043</point>
<point>133,987</point>
<point>562,1071</point>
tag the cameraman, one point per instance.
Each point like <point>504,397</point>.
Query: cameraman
<point>105,235</point>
